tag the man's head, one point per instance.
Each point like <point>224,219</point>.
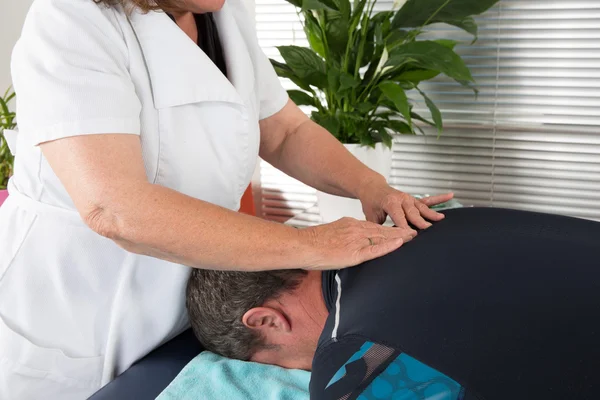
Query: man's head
<point>271,317</point>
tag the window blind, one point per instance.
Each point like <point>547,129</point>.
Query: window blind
<point>531,138</point>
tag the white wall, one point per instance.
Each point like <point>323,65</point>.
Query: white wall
<point>12,15</point>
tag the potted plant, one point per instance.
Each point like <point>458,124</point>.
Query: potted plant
<point>7,121</point>
<point>362,66</point>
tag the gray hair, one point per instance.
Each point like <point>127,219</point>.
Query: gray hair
<point>217,300</point>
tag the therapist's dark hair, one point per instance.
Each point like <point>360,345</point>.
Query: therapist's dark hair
<point>217,301</point>
<point>146,5</point>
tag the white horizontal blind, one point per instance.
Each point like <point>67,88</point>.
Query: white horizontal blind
<point>530,140</point>
<point>280,197</point>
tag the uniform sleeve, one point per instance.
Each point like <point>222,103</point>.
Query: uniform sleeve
<point>70,73</point>
<point>272,96</point>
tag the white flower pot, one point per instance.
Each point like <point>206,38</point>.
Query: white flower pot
<point>332,207</point>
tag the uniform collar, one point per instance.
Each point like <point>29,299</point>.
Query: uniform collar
<point>240,68</point>
<point>180,72</point>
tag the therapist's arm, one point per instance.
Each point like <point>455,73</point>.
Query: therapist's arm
<point>105,177</point>
<point>293,143</point>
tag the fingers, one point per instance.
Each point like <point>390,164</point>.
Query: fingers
<point>399,217</point>
<point>379,250</point>
<point>435,200</point>
<point>379,234</point>
<point>349,242</point>
<point>413,214</point>
<point>397,232</point>
<point>389,234</point>
<point>428,212</point>
<point>417,211</point>
<point>427,202</point>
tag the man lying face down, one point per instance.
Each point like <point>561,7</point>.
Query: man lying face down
<point>488,304</point>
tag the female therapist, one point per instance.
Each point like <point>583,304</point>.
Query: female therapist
<point>135,147</point>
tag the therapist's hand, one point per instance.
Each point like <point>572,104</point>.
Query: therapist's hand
<point>380,200</point>
<point>349,242</point>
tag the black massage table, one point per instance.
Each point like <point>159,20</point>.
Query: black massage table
<point>147,378</point>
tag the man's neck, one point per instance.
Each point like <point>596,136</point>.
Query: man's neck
<point>310,295</point>
<point>306,311</point>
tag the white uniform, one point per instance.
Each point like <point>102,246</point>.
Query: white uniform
<point>75,309</point>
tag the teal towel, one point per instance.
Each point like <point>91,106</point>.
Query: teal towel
<point>212,377</point>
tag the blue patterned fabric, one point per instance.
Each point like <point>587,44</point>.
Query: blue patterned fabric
<point>391,375</point>
<point>357,356</point>
<point>409,379</point>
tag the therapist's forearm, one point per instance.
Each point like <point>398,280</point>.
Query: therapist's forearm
<point>312,155</point>
<point>107,182</point>
<point>166,224</point>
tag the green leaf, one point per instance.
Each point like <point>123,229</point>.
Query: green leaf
<point>435,112</point>
<point>4,111</point>
<point>416,75</point>
<point>295,3</point>
<point>433,56</point>
<point>368,55</point>
<point>382,16</point>
<point>357,14</point>
<point>386,114</point>
<point>330,123</point>
<point>344,7</point>
<point>467,24</point>
<point>347,81</point>
<point>337,34</point>
<point>333,79</point>
<point>306,64</point>
<point>385,137</point>
<point>397,95</point>
<point>419,118</point>
<point>314,34</point>
<point>302,98</point>
<point>301,60</point>
<point>284,71</point>
<point>395,38</point>
<point>450,44</point>
<point>400,127</point>
<point>385,27</point>
<point>379,36</point>
<point>332,4</point>
<point>318,5</point>
<point>9,97</point>
<point>416,13</point>
<point>364,107</point>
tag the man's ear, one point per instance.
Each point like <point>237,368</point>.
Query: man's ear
<point>267,321</point>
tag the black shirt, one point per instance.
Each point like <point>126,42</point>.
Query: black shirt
<point>488,304</point>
